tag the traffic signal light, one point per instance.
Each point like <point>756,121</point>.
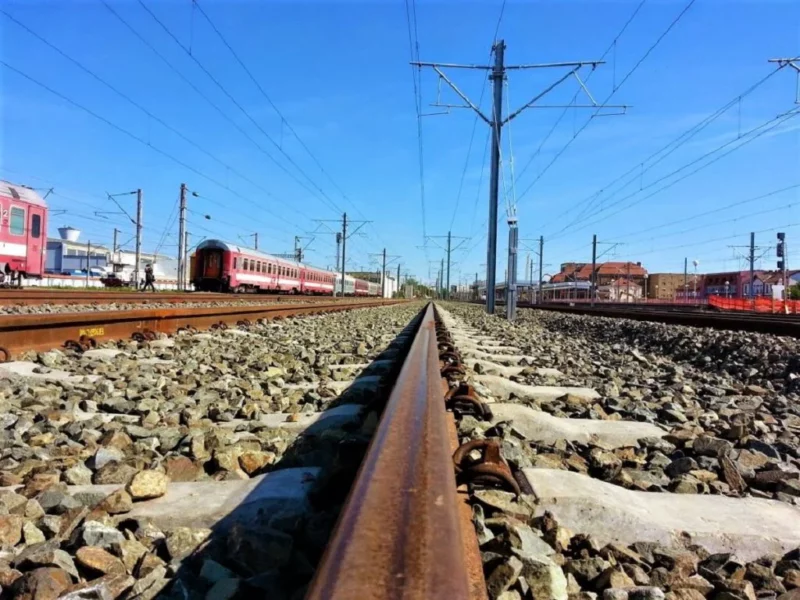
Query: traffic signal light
<point>780,265</point>
<point>781,243</point>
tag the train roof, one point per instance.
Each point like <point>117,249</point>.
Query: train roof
<point>229,247</point>
<point>20,192</point>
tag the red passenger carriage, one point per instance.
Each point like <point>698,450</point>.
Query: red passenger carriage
<point>23,232</point>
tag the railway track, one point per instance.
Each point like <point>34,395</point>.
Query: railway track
<point>34,297</point>
<point>419,434</point>
<point>19,333</point>
<point>759,323</point>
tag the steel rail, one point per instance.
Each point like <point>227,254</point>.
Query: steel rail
<point>405,532</point>
<point>33,297</point>
<point>19,333</point>
<point>788,325</point>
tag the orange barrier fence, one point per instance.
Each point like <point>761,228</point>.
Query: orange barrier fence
<point>759,305</point>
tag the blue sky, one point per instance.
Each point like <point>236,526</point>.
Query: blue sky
<point>339,74</point>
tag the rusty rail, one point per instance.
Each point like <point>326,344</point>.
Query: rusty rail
<point>405,532</point>
<point>33,297</point>
<point>19,333</point>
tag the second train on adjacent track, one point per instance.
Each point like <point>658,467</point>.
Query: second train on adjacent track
<point>219,266</point>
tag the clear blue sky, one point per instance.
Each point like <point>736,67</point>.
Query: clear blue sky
<point>339,73</point>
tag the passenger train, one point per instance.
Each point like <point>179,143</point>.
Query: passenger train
<point>23,233</point>
<point>219,266</point>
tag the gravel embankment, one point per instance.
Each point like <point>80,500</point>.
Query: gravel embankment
<point>729,404</point>
<point>182,409</point>
<point>45,309</point>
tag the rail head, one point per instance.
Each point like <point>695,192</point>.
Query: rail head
<point>399,534</point>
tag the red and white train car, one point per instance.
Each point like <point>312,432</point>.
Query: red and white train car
<point>222,267</point>
<point>23,232</point>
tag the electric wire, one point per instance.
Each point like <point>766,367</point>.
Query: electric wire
<point>662,153</point>
<point>575,97</point>
<point>129,134</point>
<point>613,92</point>
<point>319,194</point>
<point>765,128</point>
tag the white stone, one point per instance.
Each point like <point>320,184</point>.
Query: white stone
<point>749,527</point>
<point>503,388</point>
<point>539,426</point>
<point>210,503</point>
<point>102,353</point>
<point>25,369</point>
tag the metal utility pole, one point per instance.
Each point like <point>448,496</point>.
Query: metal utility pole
<point>752,264</point>
<point>383,275</point>
<point>255,241</point>
<point>594,268</point>
<point>398,280</point>
<point>496,122</point>
<point>541,266</point>
<point>88,261</point>
<point>449,249</point>
<point>384,256</point>
<point>114,247</point>
<point>511,296</point>
<point>441,278</point>
<point>341,237</point>
<point>685,278</point>
<point>497,77</point>
<point>139,199</point>
<point>783,260</point>
<point>344,248</point>
<point>185,273</point>
<point>338,248</point>
<point>181,236</point>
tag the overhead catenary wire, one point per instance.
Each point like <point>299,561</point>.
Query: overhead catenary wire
<point>607,98</point>
<point>136,104</point>
<point>638,170</point>
<point>284,120</point>
<point>611,46</point>
<point>319,193</point>
<point>645,232</point>
<point>413,43</point>
<point>765,128</point>
<point>130,134</point>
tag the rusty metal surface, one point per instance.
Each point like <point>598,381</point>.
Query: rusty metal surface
<point>469,547</point>
<point>45,331</point>
<point>34,297</point>
<point>400,534</point>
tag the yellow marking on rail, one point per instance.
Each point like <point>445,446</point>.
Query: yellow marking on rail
<point>92,331</point>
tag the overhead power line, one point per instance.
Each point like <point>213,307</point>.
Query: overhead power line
<point>613,92</point>
<point>611,46</point>
<point>284,120</point>
<point>129,134</point>
<point>134,103</point>
<point>640,168</point>
<point>319,193</point>
<point>413,45</point>
<point>758,131</point>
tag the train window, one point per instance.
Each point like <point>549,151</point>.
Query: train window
<point>269,268</point>
<point>234,262</point>
<point>252,265</point>
<point>36,225</point>
<point>244,265</point>
<point>17,225</point>
<point>258,267</point>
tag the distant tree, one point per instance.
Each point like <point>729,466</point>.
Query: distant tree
<point>794,292</point>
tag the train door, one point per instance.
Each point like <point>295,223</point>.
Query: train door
<point>212,264</point>
<point>36,241</point>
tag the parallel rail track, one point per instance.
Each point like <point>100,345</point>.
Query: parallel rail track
<point>33,297</point>
<point>759,323</point>
<point>19,333</point>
